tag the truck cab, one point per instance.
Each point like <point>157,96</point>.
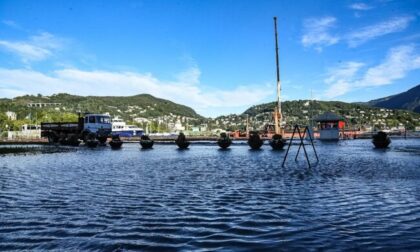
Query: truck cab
<point>97,123</point>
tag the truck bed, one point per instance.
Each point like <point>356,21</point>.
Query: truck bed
<point>61,127</point>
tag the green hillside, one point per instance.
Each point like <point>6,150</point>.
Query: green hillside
<point>409,100</point>
<point>301,112</point>
<point>160,113</point>
<point>128,108</point>
<point>151,105</point>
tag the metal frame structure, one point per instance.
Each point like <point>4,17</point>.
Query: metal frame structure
<point>301,137</point>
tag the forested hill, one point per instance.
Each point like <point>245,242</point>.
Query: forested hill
<point>63,107</point>
<point>300,108</point>
<point>301,111</point>
<point>127,107</point>
<point>409,100</point>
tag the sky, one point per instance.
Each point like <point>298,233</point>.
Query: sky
<point>216,56</point>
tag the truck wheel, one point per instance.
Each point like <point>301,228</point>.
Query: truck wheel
<point>85,136</point>
<point>52,139</point>
<point>63,139</point>
<point>102,139</point>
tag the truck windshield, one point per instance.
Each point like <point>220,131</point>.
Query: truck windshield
<point>103,119</point>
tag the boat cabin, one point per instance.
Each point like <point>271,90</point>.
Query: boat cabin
<point>329,125</point>
<point>119,127</point>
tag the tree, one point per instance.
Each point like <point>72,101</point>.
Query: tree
<point>3,121</point>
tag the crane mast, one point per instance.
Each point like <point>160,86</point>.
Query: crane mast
<point>277,110</point>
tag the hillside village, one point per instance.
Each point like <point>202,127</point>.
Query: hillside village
<point>357,116</point>
<point>161,116</point>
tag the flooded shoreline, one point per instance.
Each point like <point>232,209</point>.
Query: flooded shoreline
<point>171,140</point>
<point>207,199</point>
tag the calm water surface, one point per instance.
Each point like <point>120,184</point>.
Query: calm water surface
<point>207,199</point>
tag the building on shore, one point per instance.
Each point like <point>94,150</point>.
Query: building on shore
<point>177,127</point>
<point>11,115</point>
<point>329,125</point>
<point>42,104</point>
<point>27,132</point>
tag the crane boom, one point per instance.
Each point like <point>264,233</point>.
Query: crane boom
<point>277,111</point>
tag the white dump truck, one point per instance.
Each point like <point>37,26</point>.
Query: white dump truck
<point>71,132</point>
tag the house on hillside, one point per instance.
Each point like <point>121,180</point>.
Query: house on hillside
<point>11,115</point>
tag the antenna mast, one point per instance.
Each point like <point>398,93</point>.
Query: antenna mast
<point>277,111</point>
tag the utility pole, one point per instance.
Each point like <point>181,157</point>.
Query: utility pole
<point>311,114</point>
<point>277,111</point>
<point>247,125</point>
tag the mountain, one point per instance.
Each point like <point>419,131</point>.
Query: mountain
<point>301,112</point>
<point>409,100</point>
<point>160,114</point>
<point>64,107</point>
<point>143,105</point>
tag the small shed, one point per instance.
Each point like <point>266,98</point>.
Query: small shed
<point>329,125</point>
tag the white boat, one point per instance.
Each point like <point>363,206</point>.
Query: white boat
<point>119,127</point>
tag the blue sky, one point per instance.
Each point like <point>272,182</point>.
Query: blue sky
<point>216,56</point>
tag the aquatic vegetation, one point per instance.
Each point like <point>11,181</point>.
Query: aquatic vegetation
<point>4,150</point>
<point>254,141</point>
<point>146,142</point>
<point>182,142</point>
<point>277,142</point>
<point>116,142</point>
<point>381,140</point>
<point>224,141</point>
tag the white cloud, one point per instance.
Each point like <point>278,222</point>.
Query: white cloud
<point>191,76</point>
<point>340,79</point>
<point>186,89</point>
<point>316,32</point>
<point>360,7</point>
<point>367,33</point>
<point>11,24</point>
<point>398,63</point>
<point>36,48</point>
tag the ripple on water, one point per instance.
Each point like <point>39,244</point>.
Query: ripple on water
<point>206,199</point>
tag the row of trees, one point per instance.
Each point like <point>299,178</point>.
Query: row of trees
<point>34,117</point>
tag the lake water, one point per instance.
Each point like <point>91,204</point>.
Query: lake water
<point>207,199</point>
